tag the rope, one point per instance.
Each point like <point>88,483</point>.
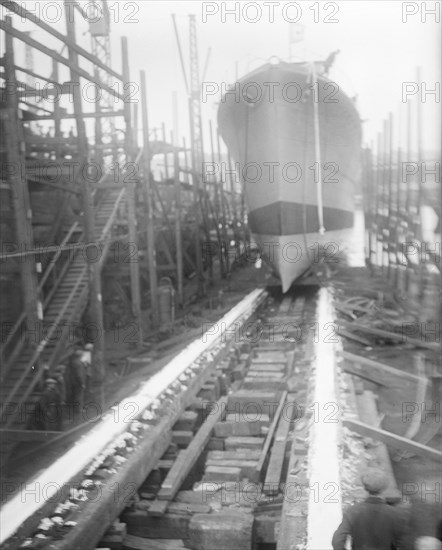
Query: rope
<point>317,153</point>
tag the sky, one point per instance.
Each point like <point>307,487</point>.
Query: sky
<point>381,45</point>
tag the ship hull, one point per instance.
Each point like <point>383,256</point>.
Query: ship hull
<point>275,146</point>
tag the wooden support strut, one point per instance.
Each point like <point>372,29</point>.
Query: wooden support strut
<point>19,186</point>
<point>95,300</point>
<point>186,460</point>
<point>131,210</point>
<point>147,188</point>
<point>391,439</point>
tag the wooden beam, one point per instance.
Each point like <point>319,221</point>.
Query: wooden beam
<point>391,439</point>
<point>19,186</point>
<point>27,435</point>
<point>134,266</point>
<point>269,437</point>
<point>95,293</point>
<point>186,460</point>
<point>277,456</point>
<point>55,55</point>
<point>178,231</point>
<point>147,188</point>
<point>392,335</point>
<point>376,371</point>
<point>20,10</point>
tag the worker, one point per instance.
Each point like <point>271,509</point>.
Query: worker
<point>60,376</point>
<point>372,524</point>
<point>87,362</point>
<point>76,381</point>
<point>48,409</point>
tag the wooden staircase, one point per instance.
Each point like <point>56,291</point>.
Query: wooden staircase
<point>19,390</point>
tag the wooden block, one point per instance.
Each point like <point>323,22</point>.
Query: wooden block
<point>159,507</point>
<point>186,422</point>
<point>190,497</point>
<point>132,542</point>
<point>235,442</point>
<point>223,530</point>
<point>261,367</point>
<point>243,428</point>
<point>259,383</point>
<point>182,438</point>
<point>251,401</point>
<point>140,524</point>
<point>114,536</point>
<point>222,473</point>
<point>239,371</point>
<point>215,444</point>
<point>165,465</point>
<point>210,390</point>
<point>265,527</point>
<point>238,454</point>
<point>247,467</point>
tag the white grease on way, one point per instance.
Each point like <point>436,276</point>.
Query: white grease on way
<point>45,487</point>
<point>324,507</point>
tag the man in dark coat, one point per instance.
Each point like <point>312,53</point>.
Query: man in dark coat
<point>372,524</point>
<point>48,410</point>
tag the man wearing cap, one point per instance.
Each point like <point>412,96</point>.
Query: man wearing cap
<point>372,524</point>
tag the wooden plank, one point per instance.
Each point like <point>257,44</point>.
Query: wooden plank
<point>277,454</point>
<point>391,439</point>
<point>28,435</point>
<point>186,459</point>
<point>351,336</point>
<point>270,434</point>
<point>404,338</point>
<point>376,368</point>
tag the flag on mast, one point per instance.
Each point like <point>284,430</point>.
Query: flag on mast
<point>296,32</point>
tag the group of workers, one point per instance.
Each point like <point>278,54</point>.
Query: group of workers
<point>375,524</point>
<point>63,387</point>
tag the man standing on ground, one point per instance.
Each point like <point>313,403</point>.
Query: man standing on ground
<point>372,524</point>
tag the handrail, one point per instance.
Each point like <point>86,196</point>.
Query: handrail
<point>22,316</point>
<point>40,348</point>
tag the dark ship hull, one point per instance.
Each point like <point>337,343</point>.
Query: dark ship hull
<point>282,124</point>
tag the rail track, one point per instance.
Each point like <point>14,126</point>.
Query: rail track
<point>237,443</point>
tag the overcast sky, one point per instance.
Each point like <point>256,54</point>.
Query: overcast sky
<point>381,43</point>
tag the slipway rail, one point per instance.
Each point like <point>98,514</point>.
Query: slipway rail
<point>39,497</point>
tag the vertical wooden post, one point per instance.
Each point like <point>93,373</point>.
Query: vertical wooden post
<point>178,235</point>
<point>95,299</point>
<point>166,166</point>
<point>134,265</point>
<point>147,188</point>
<point>236,231</point>
<point>135,129</point>
<point>378,197</point>
<point>390,222</point>
<point>57,114</point>
<point>409,185</point>
<point>223,203</point>
<point>218,208</point>
<point>16,178</point>
<point>186,164</point>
